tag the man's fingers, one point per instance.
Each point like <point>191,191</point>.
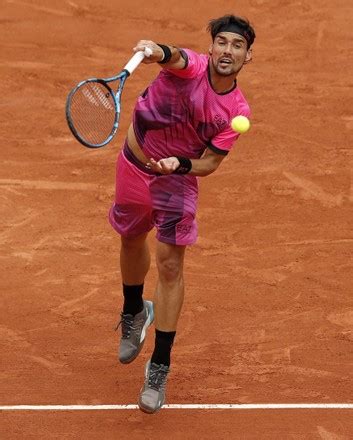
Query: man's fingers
<point>156,166</point>
<point>163,166</point>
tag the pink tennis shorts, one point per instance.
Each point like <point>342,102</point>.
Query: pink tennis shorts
<point>144,200</point>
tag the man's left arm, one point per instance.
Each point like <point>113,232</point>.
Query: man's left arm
<point>204,166</point>
<point>207,164</point>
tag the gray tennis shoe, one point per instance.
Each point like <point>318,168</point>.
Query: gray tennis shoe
<point>152,396</point>
<point>133,332</point>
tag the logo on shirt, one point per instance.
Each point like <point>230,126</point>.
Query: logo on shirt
<point>220,122</point>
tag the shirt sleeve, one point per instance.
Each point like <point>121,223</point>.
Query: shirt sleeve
<point>223,142</point>
<point>196,64</point>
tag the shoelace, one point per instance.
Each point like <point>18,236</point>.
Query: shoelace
<point>157,377</point>
<point>126,322</point>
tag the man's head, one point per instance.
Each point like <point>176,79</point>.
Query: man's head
<point>232,38</point>
<point>231,23</point>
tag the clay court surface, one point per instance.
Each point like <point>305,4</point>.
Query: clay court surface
<point>268,315</point>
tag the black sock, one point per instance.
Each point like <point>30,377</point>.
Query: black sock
<point>133,302</point>
<point>163,346</point>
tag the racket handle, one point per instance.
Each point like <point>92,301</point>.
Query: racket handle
<point>137,59</point>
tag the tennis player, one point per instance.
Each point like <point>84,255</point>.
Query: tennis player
<point>180,130</point>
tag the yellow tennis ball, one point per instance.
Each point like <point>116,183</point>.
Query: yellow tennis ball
<point>241,124</point>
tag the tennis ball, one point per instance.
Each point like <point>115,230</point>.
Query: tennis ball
<point>241,124</point>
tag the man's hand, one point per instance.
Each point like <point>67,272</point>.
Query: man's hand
<point>175,62</point>
<point>157,52</point>
<point>163,166</point>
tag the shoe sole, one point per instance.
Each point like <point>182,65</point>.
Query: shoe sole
<point>148,322</point>
<point>148,410</point>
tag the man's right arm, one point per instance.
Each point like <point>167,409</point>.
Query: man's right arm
<point>168,57</point>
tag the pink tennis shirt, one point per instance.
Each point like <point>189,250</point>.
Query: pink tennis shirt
<point>180,114</point>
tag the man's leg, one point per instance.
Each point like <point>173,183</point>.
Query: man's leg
<point>168,302</point>
<point>134,259</point>
<point>134,264</point>
<point>169,295</point>
<point>137,314</point>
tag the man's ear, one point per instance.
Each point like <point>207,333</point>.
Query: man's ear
<point>210,49</point>
<point>248,57</point>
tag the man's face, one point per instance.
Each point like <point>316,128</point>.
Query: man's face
<point>228,53</point>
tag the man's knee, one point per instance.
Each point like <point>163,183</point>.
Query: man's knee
<point>170,264</point>
<point>133,243</point>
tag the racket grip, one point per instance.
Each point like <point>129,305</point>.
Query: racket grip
<point>137,59</point>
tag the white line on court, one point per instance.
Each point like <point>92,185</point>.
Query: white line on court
<point>257,406</point>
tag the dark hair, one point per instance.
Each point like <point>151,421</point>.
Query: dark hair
<point>232,23</point>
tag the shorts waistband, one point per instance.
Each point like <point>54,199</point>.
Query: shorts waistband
<point>133,159</point>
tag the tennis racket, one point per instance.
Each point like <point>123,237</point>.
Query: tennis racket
<point>93,108</point>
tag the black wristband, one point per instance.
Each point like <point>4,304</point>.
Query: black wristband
<point>166,52</point>
<point>185,165</point>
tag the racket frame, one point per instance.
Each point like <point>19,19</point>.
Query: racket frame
<point>131,65</point>
<point>122,76</point>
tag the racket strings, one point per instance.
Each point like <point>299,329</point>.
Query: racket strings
<point>92,112</point>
